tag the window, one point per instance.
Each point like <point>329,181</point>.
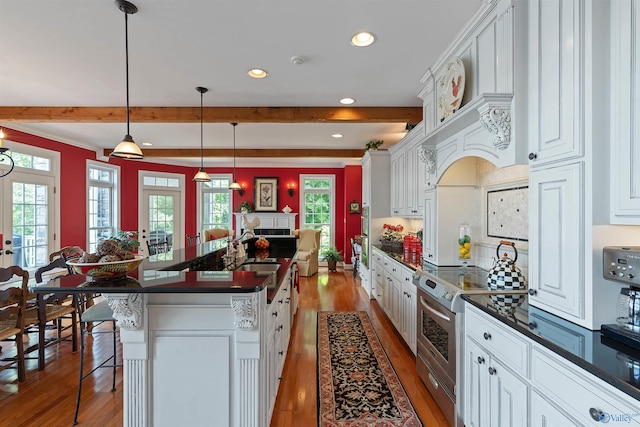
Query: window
<point>102,203</point>
<point>216,203</point>
<point>318,199</point>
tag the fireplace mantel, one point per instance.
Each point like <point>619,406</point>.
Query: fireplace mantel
<point>284,223</point>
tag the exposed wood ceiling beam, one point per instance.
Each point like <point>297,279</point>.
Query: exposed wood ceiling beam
<point>253,153</point>
<point>212,114</point>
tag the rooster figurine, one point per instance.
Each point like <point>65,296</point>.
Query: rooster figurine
<point>249,225</point>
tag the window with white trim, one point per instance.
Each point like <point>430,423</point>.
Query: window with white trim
<point>318,206</point>
<point>216,201</point>
<point>102,202</point>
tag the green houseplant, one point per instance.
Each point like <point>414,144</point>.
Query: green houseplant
<point>373,145</point>
<point>245,206</point>
<point>332,255</point>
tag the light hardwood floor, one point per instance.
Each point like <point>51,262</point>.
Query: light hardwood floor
<point>47,398</point>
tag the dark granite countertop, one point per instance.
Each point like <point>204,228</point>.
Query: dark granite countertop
<point>195,269</point>
<point>609,360</point>
<point>399,256</point>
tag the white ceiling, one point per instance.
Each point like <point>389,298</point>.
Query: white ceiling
<point>71,53</point>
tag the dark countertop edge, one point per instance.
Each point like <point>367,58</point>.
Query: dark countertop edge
<point>398,256</point>
<point>576,360</point>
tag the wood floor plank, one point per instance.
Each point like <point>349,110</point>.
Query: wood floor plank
<point>47,398</point>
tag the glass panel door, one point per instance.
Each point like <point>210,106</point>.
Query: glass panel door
<point>27,220</point>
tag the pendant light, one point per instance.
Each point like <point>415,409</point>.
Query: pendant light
<point>234,185</point>
<point>201,175</point>
<point>127,149</point>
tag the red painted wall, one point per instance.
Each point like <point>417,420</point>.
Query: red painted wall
<point>73,190</point>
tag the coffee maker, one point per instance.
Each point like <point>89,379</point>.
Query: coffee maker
<point>622,264</point>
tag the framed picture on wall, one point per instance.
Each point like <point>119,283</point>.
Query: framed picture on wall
<point>354,207</point>
<point>266,194</point>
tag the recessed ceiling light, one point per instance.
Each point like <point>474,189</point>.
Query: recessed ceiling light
<point>148,144</point>
<point>337,135</point>
<point>257,73</point>
<point>363,39</point>
<point>347,101</point>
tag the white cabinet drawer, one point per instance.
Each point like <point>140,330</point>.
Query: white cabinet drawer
<point>393,268</point>
<point>578,392</point>
<point>509,346</point>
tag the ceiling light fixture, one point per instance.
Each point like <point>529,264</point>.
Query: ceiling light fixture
<point>347,101</point>
<point>127,149</point>
<point>234,185</point>
<point>337,135</point>
<point>5,159</point>
<point>201,175</point>
<point>363,39</point>
<point>257,73</point>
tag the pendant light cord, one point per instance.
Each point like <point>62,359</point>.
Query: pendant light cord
<point>126,50</point>
<point>234,150</point>
<point>201,133</point>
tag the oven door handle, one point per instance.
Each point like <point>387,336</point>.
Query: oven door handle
<point>433,311</point>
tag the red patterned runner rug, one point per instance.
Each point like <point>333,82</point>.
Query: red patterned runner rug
<point>357,386</point>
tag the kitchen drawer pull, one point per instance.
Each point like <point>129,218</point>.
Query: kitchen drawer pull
<point>433,381</point>
<point>532,291</point>
<point>275,314</point>
<point>436,313</point>
<point>596,414</point>
<point>492,371</point>
<point>480,360</point>
<point>487,336</point>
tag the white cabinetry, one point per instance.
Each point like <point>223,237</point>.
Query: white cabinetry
<point>582,396</point>
<point>377,275</point>
<point>408,175</point>
<point>409,310</point>
<point>625,112</point>
<point>556,267</point>
<point>400,300</point>
<point>568,56</point>
<point>398,184</point>
<point>444,209</point>
<point>510,380</point>
<point>495,369</point>
<point>279,331</point>
<point>365,279</point>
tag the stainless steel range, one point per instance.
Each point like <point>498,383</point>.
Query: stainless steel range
<point>440,330</point>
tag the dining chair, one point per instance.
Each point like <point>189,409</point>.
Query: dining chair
<point>356,250</point>
<point>69,252</point>
<point>55,308</point>
<point>193,240</point>
<point>158,247</point>
<point>93,309</point>
<point>12,308</point>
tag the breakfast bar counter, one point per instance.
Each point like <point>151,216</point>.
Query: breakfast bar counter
<point>196,338</point>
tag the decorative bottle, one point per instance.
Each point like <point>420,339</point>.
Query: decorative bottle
<point>464,242</point>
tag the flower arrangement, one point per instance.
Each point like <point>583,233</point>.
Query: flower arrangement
<point>392,233</point>
<point>245,206</point>
<point>127,240</point>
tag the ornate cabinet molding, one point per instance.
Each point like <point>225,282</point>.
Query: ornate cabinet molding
<point>127,309</point>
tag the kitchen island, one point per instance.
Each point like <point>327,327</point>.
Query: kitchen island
<point>201,346</point>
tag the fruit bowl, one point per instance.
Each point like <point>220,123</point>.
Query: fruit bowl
<point>105,270</point>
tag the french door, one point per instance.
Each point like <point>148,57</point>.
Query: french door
<point>160,219</point>
<point>27,219</point>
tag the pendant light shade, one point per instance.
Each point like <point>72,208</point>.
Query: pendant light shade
<point>234,185</point>
<point>127,149</point>
<point>201,175</point>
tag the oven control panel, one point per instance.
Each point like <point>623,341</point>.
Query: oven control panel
<point>621,263</point>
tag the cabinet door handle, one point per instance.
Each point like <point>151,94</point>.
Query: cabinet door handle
<point>487,336</point>
<point>480,360</point>
<point>533,156</point>
<point>492,371</point>
<point>596,414</point>
<point>532,291</point>
<point>281,352</point>
<point>275,314</point>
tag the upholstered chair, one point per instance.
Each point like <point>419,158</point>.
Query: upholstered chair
<point>216,233</point>
<point>308,248</point>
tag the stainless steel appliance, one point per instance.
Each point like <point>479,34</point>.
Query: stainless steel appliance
<point>440,329</point>
<point>364,256</point>
<point>622,264</point>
